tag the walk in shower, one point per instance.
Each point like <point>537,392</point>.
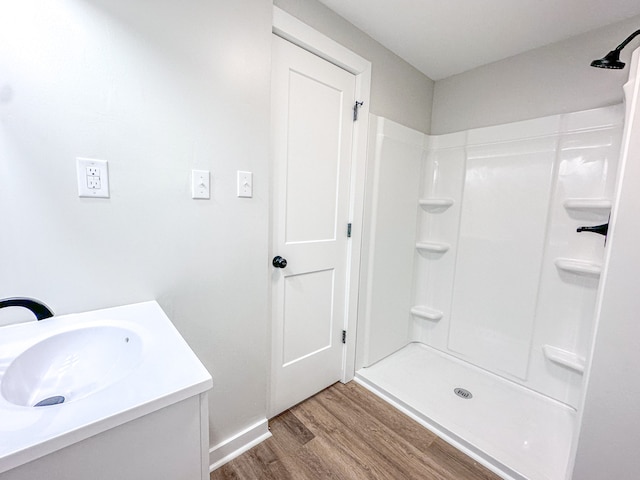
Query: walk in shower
<point>478,291</point>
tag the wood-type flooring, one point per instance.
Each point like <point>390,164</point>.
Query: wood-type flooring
<point>347,433</point>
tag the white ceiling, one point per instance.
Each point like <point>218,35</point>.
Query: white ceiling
<point>445,37</point>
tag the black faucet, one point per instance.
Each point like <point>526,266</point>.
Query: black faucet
<point>39,309</point>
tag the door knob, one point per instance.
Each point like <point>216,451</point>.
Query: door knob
<point>279,262</point>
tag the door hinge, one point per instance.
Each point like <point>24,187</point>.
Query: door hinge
<point>344,336</point>
<point>348,230</point>
<point>355,110</point>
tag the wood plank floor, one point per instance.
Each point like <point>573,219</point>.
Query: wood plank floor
<point>345,432</point>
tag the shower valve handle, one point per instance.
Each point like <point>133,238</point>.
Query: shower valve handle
<point>600,229</point>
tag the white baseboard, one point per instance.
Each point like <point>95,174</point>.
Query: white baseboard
<point>232,447</point>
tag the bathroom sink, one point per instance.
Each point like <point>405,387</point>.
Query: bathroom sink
<point>71,365</point>
<point>72,377</point>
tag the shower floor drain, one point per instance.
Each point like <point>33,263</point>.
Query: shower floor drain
<point>462,393</point>
<point>55,400</point>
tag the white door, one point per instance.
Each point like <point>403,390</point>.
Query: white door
<point>312,124</point>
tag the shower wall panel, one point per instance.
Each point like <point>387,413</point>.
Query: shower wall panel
<point>393,182</point>
<point>587,165</point>
<point>502,279</point>
<point>502,236</point>
<point>443,181</point>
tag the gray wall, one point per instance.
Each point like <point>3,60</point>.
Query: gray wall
<point>399,92</point>
<point>155,95</point>
<point>546,81</point>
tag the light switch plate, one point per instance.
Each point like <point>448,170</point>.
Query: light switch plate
<point>245,184</point>
<point>200,184</point>
<point>93,177</point>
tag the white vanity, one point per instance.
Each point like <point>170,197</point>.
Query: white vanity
<point>123,397</point>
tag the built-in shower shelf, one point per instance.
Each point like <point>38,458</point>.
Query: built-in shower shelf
<point>432,247</point>
<point>579,267</point>
<point>426,313</point>
<point>435,205</point>
<point>600,205</point>
<point>564,358</point>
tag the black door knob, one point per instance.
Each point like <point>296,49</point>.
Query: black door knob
<point>279,262</point>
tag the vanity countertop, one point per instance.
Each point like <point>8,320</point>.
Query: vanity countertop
<point>163,371</point>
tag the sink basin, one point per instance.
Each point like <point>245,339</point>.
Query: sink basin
<point>71,365</point>
<point>90,372</point>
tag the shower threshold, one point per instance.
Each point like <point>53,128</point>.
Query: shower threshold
<point>515,432</point>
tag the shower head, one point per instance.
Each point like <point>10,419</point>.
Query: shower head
<point>612,59</point>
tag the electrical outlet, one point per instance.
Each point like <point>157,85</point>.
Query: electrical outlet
<point>93,183</point>
<point>93,177</point>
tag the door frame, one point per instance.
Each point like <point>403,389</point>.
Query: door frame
<point>293,30</point>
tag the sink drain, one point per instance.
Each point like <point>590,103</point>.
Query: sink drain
<point>461,392</point>
<point>55,400</point>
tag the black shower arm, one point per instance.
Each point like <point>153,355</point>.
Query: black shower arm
<point>627,40</point>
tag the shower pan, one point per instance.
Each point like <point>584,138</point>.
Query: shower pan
<point>481,323</point>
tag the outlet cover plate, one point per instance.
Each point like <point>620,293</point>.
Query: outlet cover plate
<point>93,177</point>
